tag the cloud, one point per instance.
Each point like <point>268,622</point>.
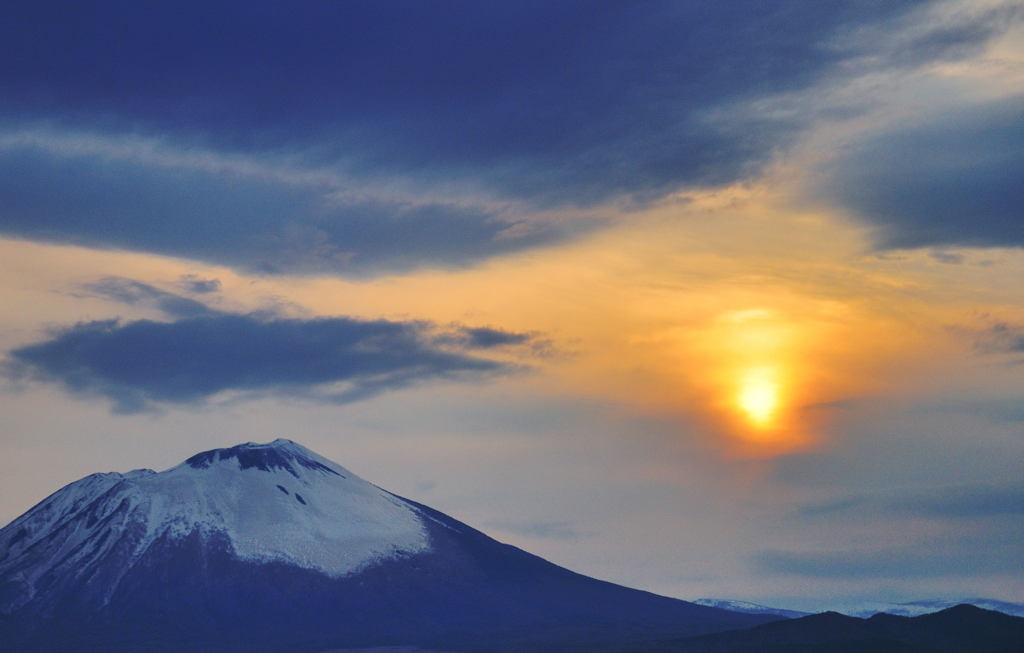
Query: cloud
<point>937,32</point>
<point>142,363</point>
<point>487,337</point>
<point>1001,337</point>
<point>955,180</point>
<point>903,563</point>
<point>950,502</point>
<point>831,507</point>
<point>1004,409</point>
<point>970,530</point>
<point>290,140</point>
<point>258,220</point>
<point>129,291</point>
<point>197,285</point>
<point>554,530</point>
<point>949,258</point>
<point>965,502</point>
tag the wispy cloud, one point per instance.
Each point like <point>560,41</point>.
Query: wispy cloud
<point>947,502</point>
<point>197,285</point>
<point>903,563</point>
<point>129,291</point>
<point>999,337</point>
<point>554,530</point>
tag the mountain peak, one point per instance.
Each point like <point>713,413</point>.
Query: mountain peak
<point>281,454</point>
<point>275,501</point>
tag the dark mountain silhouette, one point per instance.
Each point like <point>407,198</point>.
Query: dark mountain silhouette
<point>960,629</point>
<point>266,548</point>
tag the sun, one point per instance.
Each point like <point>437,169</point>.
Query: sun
<point>758,396</point>
<point>756,364</point>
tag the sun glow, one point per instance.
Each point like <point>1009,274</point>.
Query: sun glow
<point>759,371</point>
<point>758,397</point>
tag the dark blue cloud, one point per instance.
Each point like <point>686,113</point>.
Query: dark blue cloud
<point>955,180</point>
<point>488,337</point>
<point>129,291</point>
<point>137,364</point>
<point>571,100</point>
<point>535,103</point>
<point>251,221</point>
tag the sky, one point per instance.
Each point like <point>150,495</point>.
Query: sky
<point>709,299</point>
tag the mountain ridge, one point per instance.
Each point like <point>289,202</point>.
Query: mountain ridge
<point>953,630</point>
<point>870,608</point>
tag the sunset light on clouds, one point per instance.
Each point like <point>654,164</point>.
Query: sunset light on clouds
<point>759,270</point>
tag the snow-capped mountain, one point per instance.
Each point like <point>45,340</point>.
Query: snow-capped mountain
<point>280,515</point>
<point>270,547</point>
<point>750,608</point>
<point>928,606</point>
<point>865,610</point>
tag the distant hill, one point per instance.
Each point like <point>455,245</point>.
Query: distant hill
<point>927,606</point>
<point>960,629</point>
<point>868,609</point>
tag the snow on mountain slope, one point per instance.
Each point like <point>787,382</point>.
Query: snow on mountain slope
<point>747,607</point>
<point>271,502</point>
